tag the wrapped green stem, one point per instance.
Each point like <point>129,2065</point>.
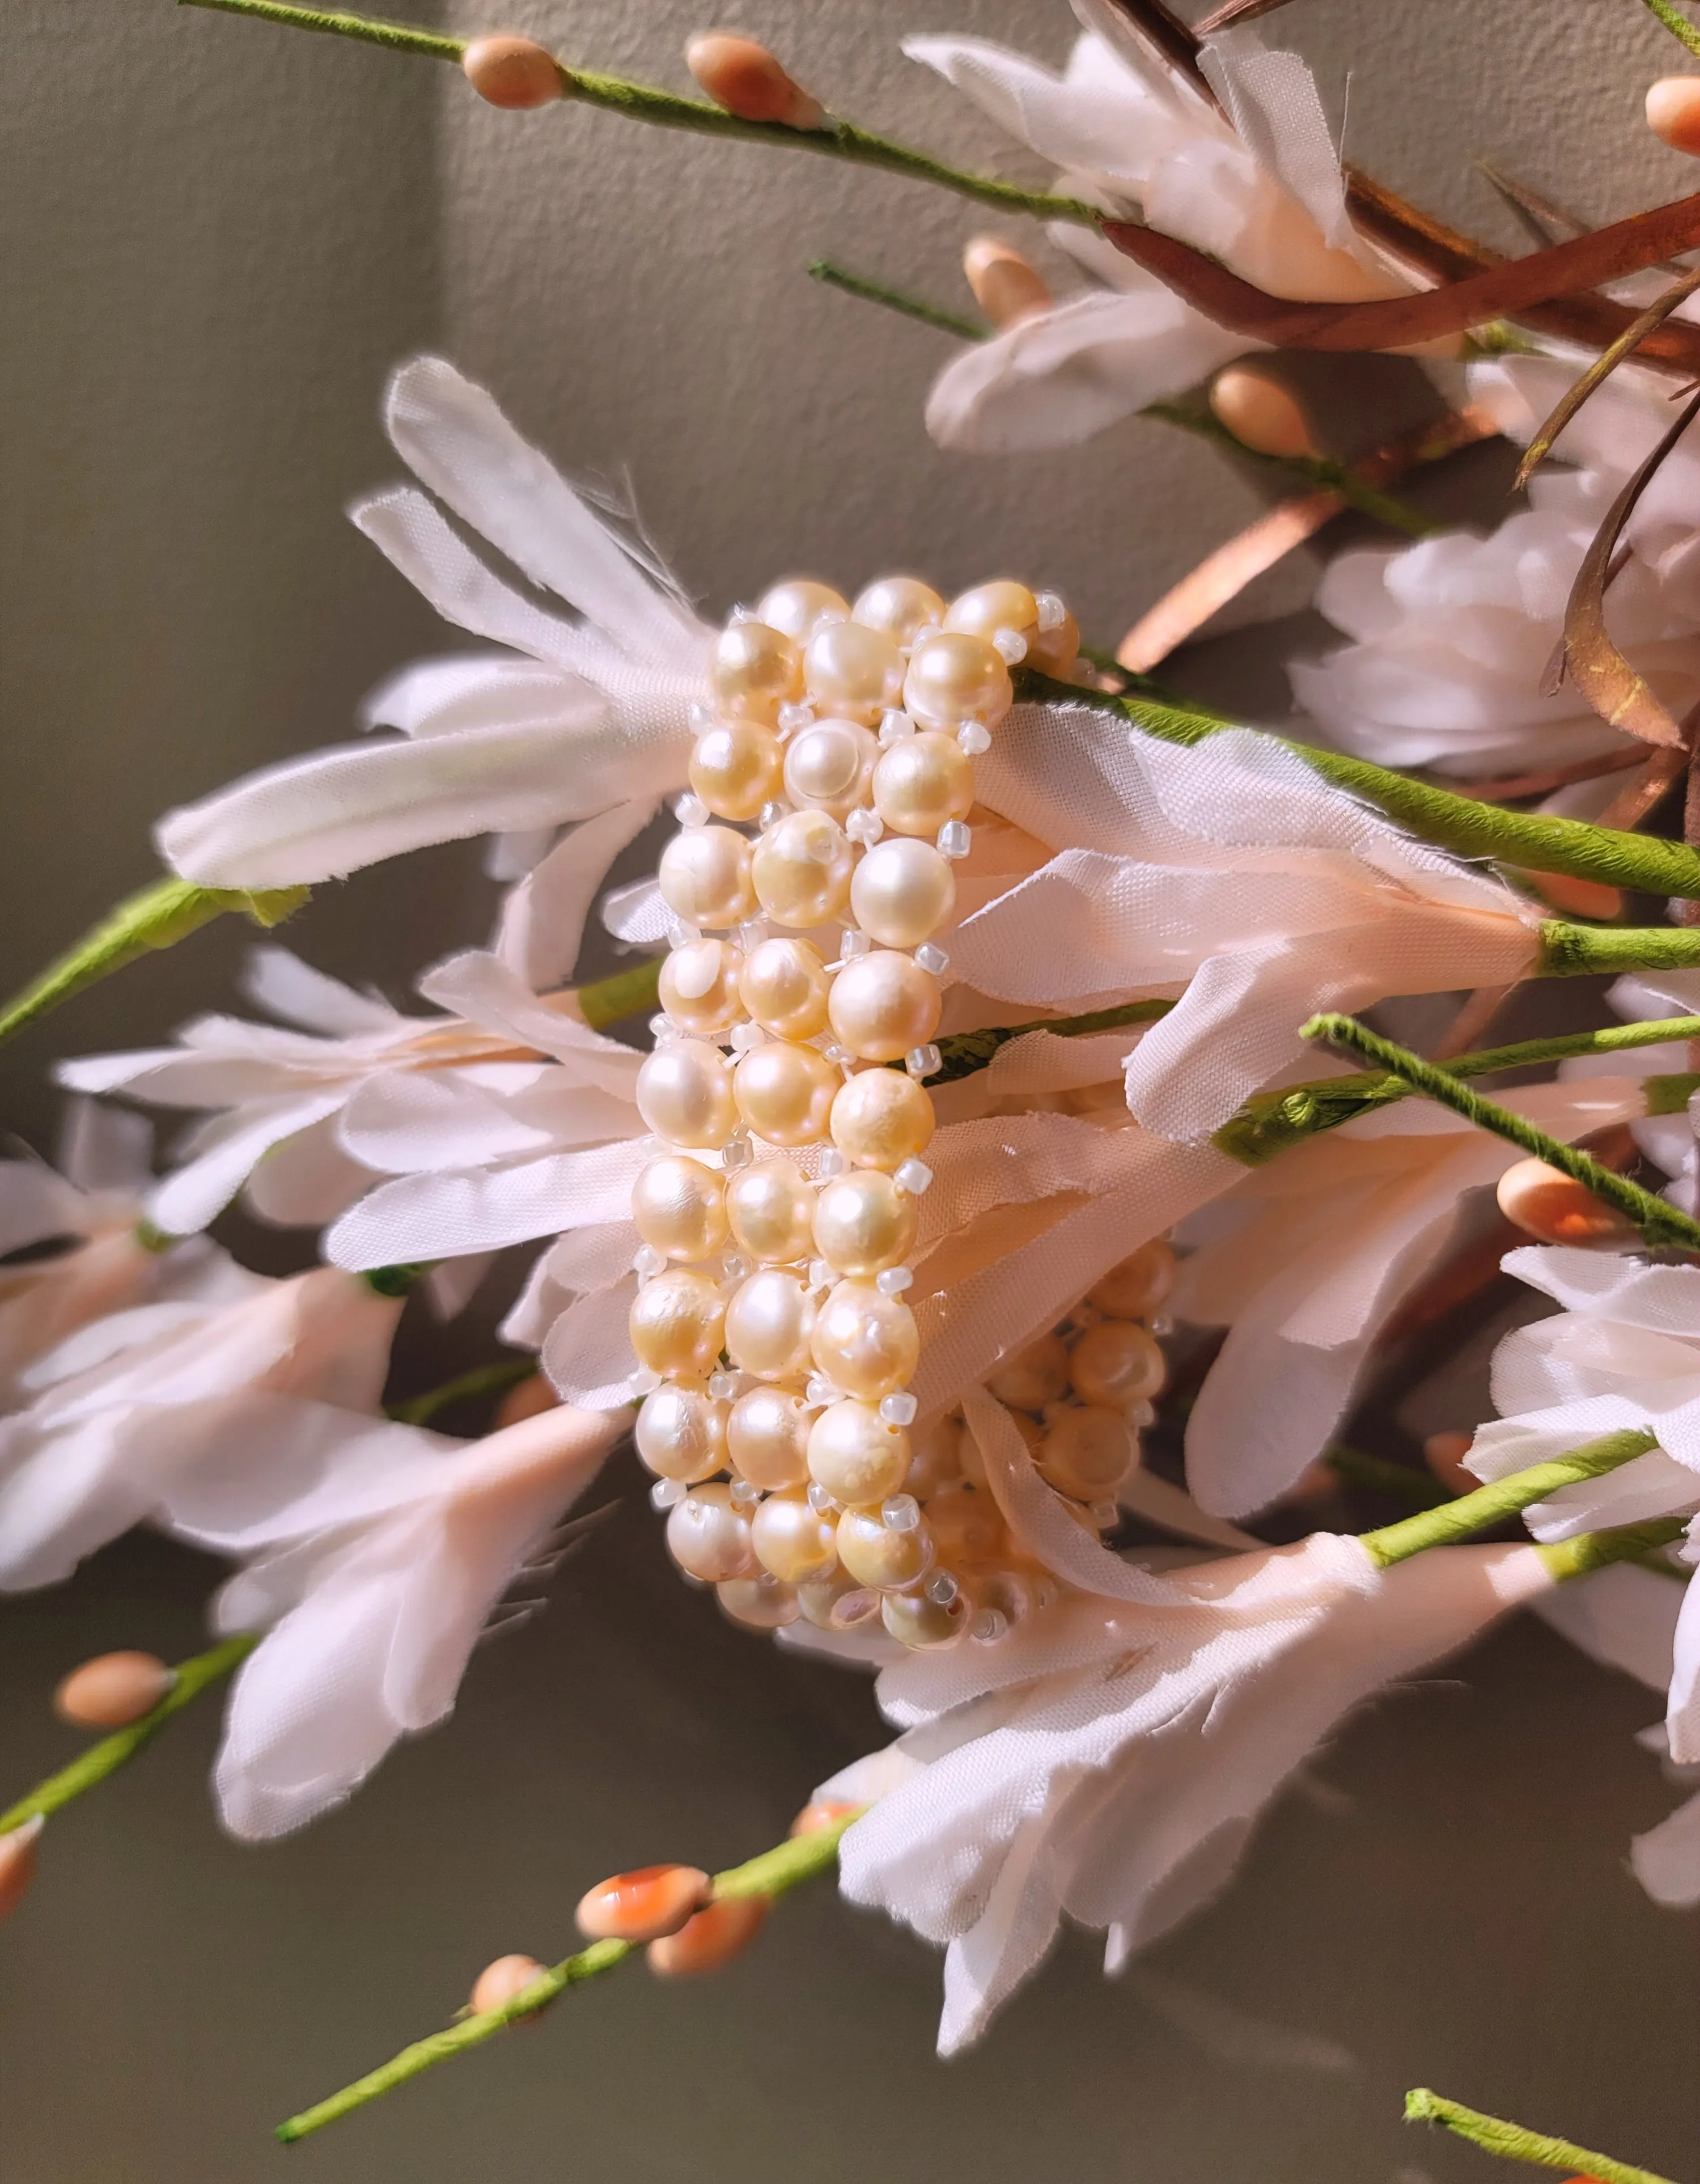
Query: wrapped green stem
<point>1512,2142</point>
<point>1448,1522</point>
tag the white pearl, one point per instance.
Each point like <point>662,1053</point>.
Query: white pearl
<point>791,1540</point>
<point>864,1343</point>
<point>827,766</point>
<point>1139,1284</point>
<point>900,607</point>
<point>735,767</point>
<point>1034,1377</point>
<point>1116,1363</point>
<point>768,1326</point>
<point>684,1094</point>
<point>771,1210</point>
<point>676,1323</point>
<point>785,1093</point>
<point>681,1433</point>
<point>709,1537</point>
<point>903,891</point>
<point>874,1555</point>
<point>853,671</point>
<point>922,784</point>
<point>863,1222</point>
<point>955,677</point>
<point>704,877</point>
<point>801,869</point>
<point>679,1207</point>
<point>784,985</point>
<point>698,986</point>
<point>882,1118</point>
<point>799,606</point>
<point>883,1004</point>
<point>767,1438</point>
<point>855,1455</point>
<point>754,671</point>
<point>1086,1453</point>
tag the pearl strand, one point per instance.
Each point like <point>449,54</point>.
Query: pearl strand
<point>773,1341</point>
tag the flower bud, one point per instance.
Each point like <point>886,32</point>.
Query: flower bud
<point>18,1863</point>
<point>642,1905</point>
<point>1673,112</point>
<point>1444,1454</point>
<point>529,1400</point>
<point>716,1934</point>
<point>112,1691</point>
<point>1007,286</point>
<point>745,79</point>
<point>498,1983</point>
<point>1260,413</point>
<point>822,1812</point>
<point>511,72</point>
<point>1547,1203</point>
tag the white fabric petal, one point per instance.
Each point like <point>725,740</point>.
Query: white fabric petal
<point>1666,1859</point>
<point>432,1217</point>
<point>543,919</point>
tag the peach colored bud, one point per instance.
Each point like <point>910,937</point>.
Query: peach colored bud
<point>498,1983</point>
<point>1260,413</point>
<point>511,72</point>
<point>712,1938</point>
<point>1554,1207</point>
<point>1576,896</point>
<point>1007,286</point>
<point>745,79</point>
<point>112,1691</point>
<point>824,1813</point>
<point>18,1863</point>
<point>642,1905</point>
<point>529,1400</point>
<point>1444,1454</point>
<point>1673,112</point>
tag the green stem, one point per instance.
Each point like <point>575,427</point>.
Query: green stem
<point>966,1052</point>
<point>492,1379</point>
<point>1660,1222</point>
<point>799,1859</point>
<point>894,300</point>
<point>158,916</point>
<point>1462,824</point>
<point>1449,1521</point>
<point>1587,951</point>
<point>1398,1482</point>
<point>1624,1543</point>
<point>665,109</point>
<point>189,1679</point>
<point>624,993</point>
<point>1682,30</point>
<point>1512,2142</point>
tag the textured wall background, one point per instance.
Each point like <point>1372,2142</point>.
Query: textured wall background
<point>217,237</point>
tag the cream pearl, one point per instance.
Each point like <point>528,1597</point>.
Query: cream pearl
<point>708,1536</point>
<point>863,1222</point>
<point>771,1210</point>
<point>884,1004</point>
<point>760,1603</point>
<point>799,606</point>
<point>855,1455</point>
<point>989,608</point>
<point>791,1540</point>
<point>1116,1363</point>
<point>801,869</point>
<point>754,671</point>
<point>874,1555</point>
<point>735,767</point>
<point>853,671</point>
<point>916,1622</point>
<point>828,767</point>
<point>679,1207</point>
<point>838,1603</point>
<point>900,608</point>
<point>935,1458</point>
<point>785,1093</point>
<point>681,1433</point>
<point>956,677</point>
<point>1033,1376</point>
<point>699,985</point>
<point>768,1324</point>
<point>684,1094</point>
<point>1088,1453</point>
<point>704,877</point>
<point>921,782</point>
<point>1139,1284</point>
<point>767,1438</point>
<point>881,1119</point>
<point>784,986</point>
<point>865,1342</point>
<point>676,1323</point>
<point>903,891</point>
<point>966,1524</point>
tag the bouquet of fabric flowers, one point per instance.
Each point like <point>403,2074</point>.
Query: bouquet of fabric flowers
<point>976,1198</point>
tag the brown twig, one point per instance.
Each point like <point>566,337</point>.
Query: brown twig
<point>1507,789</point>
